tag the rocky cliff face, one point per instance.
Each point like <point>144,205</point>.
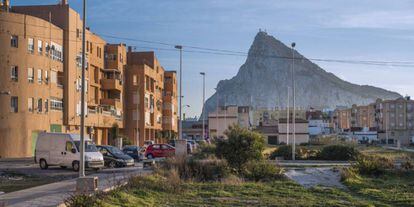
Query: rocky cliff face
<point>263,79</point>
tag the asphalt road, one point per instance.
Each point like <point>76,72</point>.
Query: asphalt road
<point>55,193</point>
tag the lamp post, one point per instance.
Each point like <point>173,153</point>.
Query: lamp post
<point>294,100</point>
<point>202,111</point>
<point>82,122</point>
<point>180,128</point>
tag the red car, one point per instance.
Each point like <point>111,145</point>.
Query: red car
<point>159,150</point>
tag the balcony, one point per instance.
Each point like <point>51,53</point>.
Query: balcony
<point>111,102</point>
<point>111,84</point>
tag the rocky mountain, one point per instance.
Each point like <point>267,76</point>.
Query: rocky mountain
<point>263,79</point>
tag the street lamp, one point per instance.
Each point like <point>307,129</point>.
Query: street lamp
<point>294,100</point>
<point>82,122</point>
<point>180,47</point>
<point>202,110</point>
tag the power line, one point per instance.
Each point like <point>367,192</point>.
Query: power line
<point>224,52</point>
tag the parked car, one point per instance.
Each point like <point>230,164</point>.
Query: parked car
<point>193,143</point>
<point>59,149</point>
<point>159,150</point>
<point>114,157</point>
<point>189,145</point>
<point>148,143</point>
<point>134,151</point>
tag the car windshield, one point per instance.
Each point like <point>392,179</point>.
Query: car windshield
<point>89,146</point>
<point>115,150</point>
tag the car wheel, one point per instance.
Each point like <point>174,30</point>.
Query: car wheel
<point>75,166</point>
<point>43,164</point>
<point>112,164</point>
<point>150,156</point>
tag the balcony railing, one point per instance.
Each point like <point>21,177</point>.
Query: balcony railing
<point>112,102</point>
<point>111,84</point>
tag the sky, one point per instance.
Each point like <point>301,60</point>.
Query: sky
<point>378,30</point>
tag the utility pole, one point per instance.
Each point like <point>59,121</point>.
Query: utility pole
<point>294,104</point>
<point>82,121</point>
<point>217,110</point>
<point>180,127</point>
<point>287,116</point>
<point>202,110</point>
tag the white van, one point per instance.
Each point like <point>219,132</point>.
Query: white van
<point>58,149</point>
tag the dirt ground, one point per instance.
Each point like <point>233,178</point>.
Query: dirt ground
<point>320,176</point>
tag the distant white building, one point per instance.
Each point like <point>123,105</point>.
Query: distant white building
<point>318,127</point>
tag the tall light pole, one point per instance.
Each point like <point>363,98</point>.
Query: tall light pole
<point>294,100</point>
<point>82,121</point>
<point>287,116</point>
<point>180,128</point>
<point>217,110</point>
<point>202,111</point>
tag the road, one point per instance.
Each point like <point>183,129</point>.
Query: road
<point>55,193</point>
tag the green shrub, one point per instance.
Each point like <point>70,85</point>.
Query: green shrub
<point>240,147</point>
<point>205,151</point>
<point>301,153</point>
<point>208,170</point>
<point>284,151</point>
<point>193,169</point>
<point>261,171</point>
<point>373,165</point>
<point>338,152</point>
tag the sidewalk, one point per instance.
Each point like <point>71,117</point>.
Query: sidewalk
<point>55,193</point>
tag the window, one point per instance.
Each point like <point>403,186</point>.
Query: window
<point>77,33</point>
<point>30,45</point>
<point>56,104</point>
<point>135,80</point>
<point>46,105</point>
<point>46,76</point>
<point>14,41</point>
<point>30,75</point>
<point>39,46</point>
<point>14,106</point>
<point>47,48</point>
<point>14,73</point>
<point>39,105</point>
<point>30,104</point>
<point>69,146</point>
<point>39,76</point>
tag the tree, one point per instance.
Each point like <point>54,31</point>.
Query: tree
<point>241,147</point>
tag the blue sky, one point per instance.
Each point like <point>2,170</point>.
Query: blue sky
<point>380,30</point>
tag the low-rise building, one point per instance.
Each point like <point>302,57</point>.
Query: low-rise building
<point>225,116</point>
<point>193,129</point>
<point>301,131</point>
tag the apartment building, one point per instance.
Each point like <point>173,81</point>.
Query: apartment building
<point>31,81</point>
<point>342,119</point>
<point>395,120</point>
<point>170,105</point>
<point>145,93</point>
<point>271,116</point>
<point>41,63</point>
<point>225,116</point>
